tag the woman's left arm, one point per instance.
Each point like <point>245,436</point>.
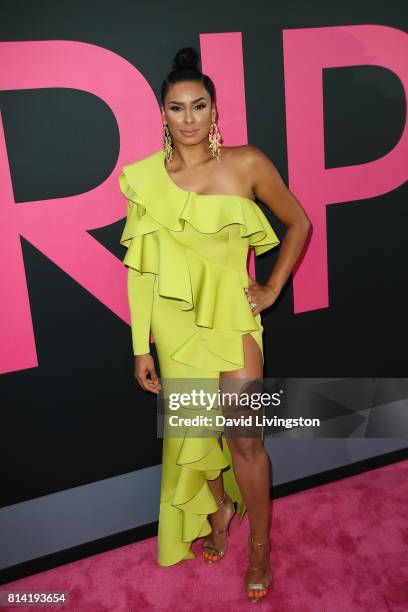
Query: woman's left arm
<point>270,189</point>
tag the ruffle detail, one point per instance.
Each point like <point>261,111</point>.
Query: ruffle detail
<point>215,292</point>
<point>160,203</point>
<point>195,460</point>
<point>201,460</point>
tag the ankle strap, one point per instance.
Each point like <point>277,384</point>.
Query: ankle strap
<point>258,543</point>
<point>219,502</point>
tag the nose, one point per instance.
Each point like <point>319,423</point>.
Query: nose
<point>188,117</point>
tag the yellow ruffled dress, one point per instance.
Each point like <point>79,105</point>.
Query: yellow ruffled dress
<point>187,269</point>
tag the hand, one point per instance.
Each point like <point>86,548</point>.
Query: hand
<point>145,373</point>
<point>261,295</point>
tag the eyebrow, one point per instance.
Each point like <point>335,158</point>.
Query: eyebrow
<point>181,103</point>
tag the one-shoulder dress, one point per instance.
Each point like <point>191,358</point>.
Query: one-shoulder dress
<point>187,270</point>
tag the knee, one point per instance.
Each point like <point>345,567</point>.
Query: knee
<point>247,449</point>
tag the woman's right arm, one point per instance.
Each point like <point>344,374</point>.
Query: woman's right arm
<point>140,295</point>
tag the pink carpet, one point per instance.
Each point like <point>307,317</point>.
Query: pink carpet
<point>336,548</point>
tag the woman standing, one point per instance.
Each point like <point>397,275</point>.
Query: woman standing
<point>191,219</point>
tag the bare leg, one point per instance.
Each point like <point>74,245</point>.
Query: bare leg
<point>251,468</point>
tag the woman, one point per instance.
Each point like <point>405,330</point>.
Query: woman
<point>190,222</point>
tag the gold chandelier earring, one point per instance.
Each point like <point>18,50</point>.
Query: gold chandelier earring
<point>167,144</point>
<point>214,138</point>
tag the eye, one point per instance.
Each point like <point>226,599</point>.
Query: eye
<point>200,106</point>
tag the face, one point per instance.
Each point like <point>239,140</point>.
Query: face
<point>188,112</point>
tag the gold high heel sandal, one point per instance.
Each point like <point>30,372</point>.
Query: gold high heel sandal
<point>256,590</point>
<point>215,554</point>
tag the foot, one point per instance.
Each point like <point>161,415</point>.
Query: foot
<point>215,544</point>
<point>258,576</point>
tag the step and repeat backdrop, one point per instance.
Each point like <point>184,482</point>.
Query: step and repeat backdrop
<point>321,89</point>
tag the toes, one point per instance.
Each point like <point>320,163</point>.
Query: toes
<point>257,593</point>
<point>210,556</point>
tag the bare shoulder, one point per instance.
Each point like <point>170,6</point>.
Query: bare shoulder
<point>248,157</point>
<point>249,166</point>
<point>262,176</point>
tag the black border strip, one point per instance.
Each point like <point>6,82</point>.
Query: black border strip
<point>35,566</point>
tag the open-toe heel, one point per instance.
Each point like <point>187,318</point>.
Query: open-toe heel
<point>211,554</point>
<point>257,590</point>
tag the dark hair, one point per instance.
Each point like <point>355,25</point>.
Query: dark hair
<point>185,68</point>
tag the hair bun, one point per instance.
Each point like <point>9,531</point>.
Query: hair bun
<point>186,58</point>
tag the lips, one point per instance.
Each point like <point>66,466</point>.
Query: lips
<point>189,132</point>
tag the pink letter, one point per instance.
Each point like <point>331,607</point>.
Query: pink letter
<point>306,53</point>
<point>58,227</point>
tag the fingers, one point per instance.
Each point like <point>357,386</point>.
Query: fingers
<point>255,310</point>
<point>153,382</point>
<point>147,378</point>
<point>253,301</point>
<point>260,297</point>
<point>147,383</point>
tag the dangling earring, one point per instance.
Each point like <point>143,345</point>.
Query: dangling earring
<point>167,144</point>
<point>214,138</point>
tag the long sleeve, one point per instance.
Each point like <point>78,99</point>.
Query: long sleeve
<point>140,295</point>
